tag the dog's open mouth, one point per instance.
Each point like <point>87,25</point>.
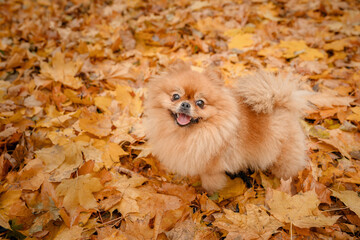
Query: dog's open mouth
<point>183,119</point>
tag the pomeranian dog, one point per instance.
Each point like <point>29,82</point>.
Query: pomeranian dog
<point>198,126</point>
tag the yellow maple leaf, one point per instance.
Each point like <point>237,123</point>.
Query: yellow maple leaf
<point>210,24</point>
<point>8,199</point>
<point>128,187</point>
<point>268,11</point>
<point>350,198</point>
<point>345,142</point>
<point>91,153</point>
<point>300,210</point>
<point>46,155</point>
<point>32,176</point>
<point>103,103</point>
<point>123,95</point>
<point>241,41</point>
<point>78,192</point>
<point>311,54</point>
<point>339,45</point>
<point>61,137</point>
<point>234,187</point>
<point>294,48</point>
<point>136,107</point>
<point>75,97</point>
<point>95,123</point>
<point>61,161</point>
<point>62,71</point>
<point>68,233</point>
<point>270,51</point>
<point>111,152</point>
<point>355,116</point>
<point>255,224</point>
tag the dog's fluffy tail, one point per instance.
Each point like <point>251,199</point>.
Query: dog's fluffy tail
<point>264,92</point>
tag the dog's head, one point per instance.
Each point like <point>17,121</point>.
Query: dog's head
<point>188,97</point>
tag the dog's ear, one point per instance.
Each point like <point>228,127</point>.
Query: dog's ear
<point>214,74</point>
<point>178,66</point>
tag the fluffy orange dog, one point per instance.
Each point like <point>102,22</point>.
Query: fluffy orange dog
<point>197,126</point>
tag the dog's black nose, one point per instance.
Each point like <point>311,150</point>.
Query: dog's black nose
<point>185,105</point>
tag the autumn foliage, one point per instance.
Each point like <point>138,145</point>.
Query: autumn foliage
<point>74,161</point>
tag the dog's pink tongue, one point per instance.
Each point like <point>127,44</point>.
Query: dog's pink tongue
<point>183,119</point>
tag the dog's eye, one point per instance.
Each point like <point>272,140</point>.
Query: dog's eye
<point>200,103</point>
<point>175,97</point>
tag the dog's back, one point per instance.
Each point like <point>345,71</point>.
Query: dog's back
<point>271,136</point>
<point>264,92</point>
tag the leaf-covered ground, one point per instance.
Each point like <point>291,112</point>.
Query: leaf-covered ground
<point>74,161</point>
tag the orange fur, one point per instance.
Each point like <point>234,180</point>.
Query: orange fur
<point>252,125</point>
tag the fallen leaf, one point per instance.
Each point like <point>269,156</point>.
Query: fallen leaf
<point>254,224</point>
<point>300,210</point>
<point>32,177</point>
<point>350,198</point>
<point>79,192</point>
<point>111,153</point>
<point>62,71</point>
<point>103,103</point>
<point>355,116</point>
<point>95,123</point>
<point>295,48</point>
<point>123,95</point>
<point>345,142</point>
<point>327,101</point>
<point>241,41</point>
<point>337,45</point>
<point>233,188</point>
<point>46,155</point>
<point>69,233</point>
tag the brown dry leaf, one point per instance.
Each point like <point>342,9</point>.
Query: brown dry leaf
<point>300,210</point>
<point>62,71</point>
<point>67,159</point>
<point>241,41</point>
<point>111,153</point>
<point>138,227</point>
<point>32,176</point>
<point>295,48</point>
<point>95,123</point>
<point>103,103</point>
<point>79,192</point>
<point>46,155</point>
<point>345,142</point>
<point>254,224</point>
<point>183,230</point>
<point>75,97</point>
<point>338,45</point>
<point>325,100</point>
<point>123,95</point>
<point>208,205</point>
<point>355,116</point>
<point>130,193</point>
<point>233,188</point>
<point>69,233</point>
<point>350,198</point>
<point>7,200</point>
<point>109,233</point>
<point>268,11</point>
<point>41,221</point>
<point>92,153</point>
